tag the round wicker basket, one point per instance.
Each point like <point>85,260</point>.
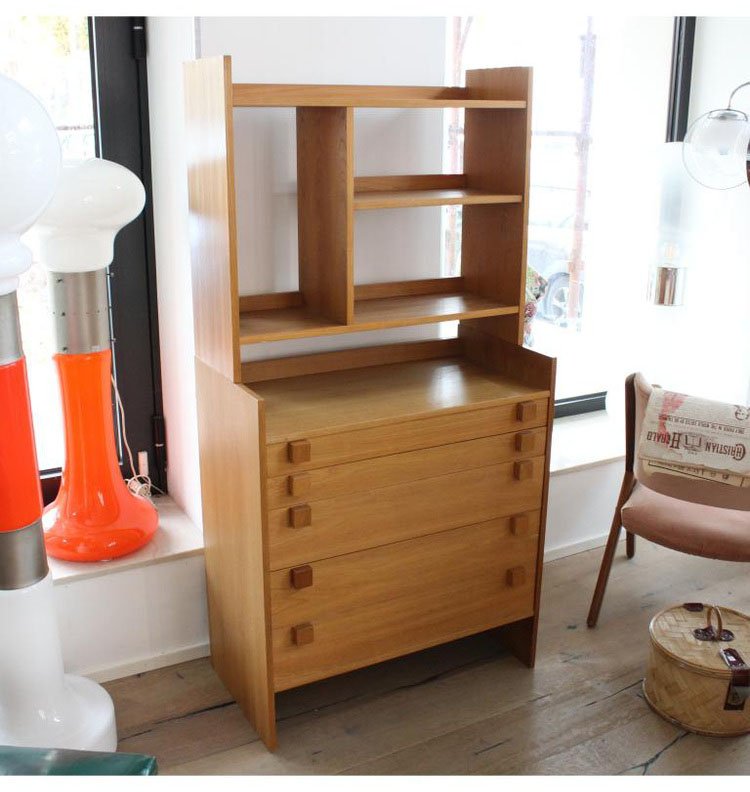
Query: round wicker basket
<point>689,680</point>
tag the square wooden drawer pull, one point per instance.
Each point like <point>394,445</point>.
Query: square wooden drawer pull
<point>299,483</point>
<point>298,451</point>
<point>523,469</point>
<point>300,516</point>
<point>303,634</point>
<point>301,577</point>
<point>516,576</point>
<point>525,441</point>
<point>520,525</point>
<point>526,411</point>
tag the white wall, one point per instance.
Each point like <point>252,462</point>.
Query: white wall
<point>388,245</point>
<point>170,43</point>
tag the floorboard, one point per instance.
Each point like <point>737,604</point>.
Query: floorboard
<point>466,707</point>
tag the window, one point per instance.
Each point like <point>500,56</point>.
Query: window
<point>89,73</point>
<point>600,106</point>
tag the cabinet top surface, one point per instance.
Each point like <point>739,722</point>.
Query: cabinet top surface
<point>336,401</point>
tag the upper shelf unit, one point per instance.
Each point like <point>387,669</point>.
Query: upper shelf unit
<point>271,95</point>
<point>492,191</point>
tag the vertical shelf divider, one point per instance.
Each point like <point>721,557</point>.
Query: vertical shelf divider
<point>325,210</point>
<point>496,159</point>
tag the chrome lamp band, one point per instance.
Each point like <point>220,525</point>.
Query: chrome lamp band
<point>80,311</point>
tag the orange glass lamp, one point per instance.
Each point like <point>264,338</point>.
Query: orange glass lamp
<point>95,516</point>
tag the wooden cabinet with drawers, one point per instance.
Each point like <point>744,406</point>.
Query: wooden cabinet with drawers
<point>365,503</point>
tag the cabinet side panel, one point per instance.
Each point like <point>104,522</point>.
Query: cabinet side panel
<point>213,236</point>
<point>496,158</point>
<point>534,369</point>
<point>325,206</point>
<point>231,436</point>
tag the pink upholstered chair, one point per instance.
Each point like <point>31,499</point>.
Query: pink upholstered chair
<point>703,518</point>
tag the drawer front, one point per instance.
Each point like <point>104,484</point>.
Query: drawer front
<point>365,607</point>
<point>368,474</point>
<point>394,438</point>
<point>311,531</point>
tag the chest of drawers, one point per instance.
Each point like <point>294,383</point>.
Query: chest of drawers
<point>391,509</point>
<point>389,495</point>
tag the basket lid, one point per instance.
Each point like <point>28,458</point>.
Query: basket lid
<point>672,630</point>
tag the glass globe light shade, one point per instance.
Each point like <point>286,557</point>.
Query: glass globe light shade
<point>715,149</point>
<point>93,201</point>
<point>29,169</point>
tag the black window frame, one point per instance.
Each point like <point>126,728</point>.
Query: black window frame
<point>117,47</point>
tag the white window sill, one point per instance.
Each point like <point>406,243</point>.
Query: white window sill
<point>582,441</point>
<point>177,537</point>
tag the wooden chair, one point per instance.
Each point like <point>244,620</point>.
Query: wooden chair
<point>702,518</point>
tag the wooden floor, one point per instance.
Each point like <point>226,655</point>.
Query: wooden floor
<point>465,707</point>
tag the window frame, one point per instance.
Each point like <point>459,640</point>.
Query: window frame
<point>117,47</point>
<point>683,43</point>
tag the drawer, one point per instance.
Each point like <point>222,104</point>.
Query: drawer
<point>392,438</point>
<point>329,482</point>
<point>335,526</point>
<point>365,607</point>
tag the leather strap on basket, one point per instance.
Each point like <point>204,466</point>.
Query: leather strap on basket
<point>738,690</point>
<point>708,633</point>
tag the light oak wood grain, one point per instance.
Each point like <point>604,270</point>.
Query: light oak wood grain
<point>405,199</point>
<point>496,159</point>
<point>257,327</point>
<point>398,437</point>
<point>279,95</point>
<point>213,237</point>
<point>360,357</point>
<point>230,432</point>
<point>325,221</point>
<point>383,471</point>
<point>417,181</point>
<point>421,583</point>
<point>412,508</point>
<point>299,407</point>
<point>376,291</point>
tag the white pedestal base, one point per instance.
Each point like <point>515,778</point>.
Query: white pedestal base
<point>40,706</point>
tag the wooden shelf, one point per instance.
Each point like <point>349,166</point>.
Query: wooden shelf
<point>395,199</point>
<point>372,314</point>
<point>316,403</point>
<point>272,95</point>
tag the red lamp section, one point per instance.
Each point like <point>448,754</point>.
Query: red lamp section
<point>20,498</point>
<point>94,516</point>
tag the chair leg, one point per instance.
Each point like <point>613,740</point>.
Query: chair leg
<point>609,551</point>
<point>630,543</point>
<point>601,582</point>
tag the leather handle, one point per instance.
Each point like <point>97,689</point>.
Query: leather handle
<point>708,633</point>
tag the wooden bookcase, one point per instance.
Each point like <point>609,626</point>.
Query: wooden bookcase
<point>366,503</point>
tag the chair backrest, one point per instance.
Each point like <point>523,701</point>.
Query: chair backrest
<point>710,493</point>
